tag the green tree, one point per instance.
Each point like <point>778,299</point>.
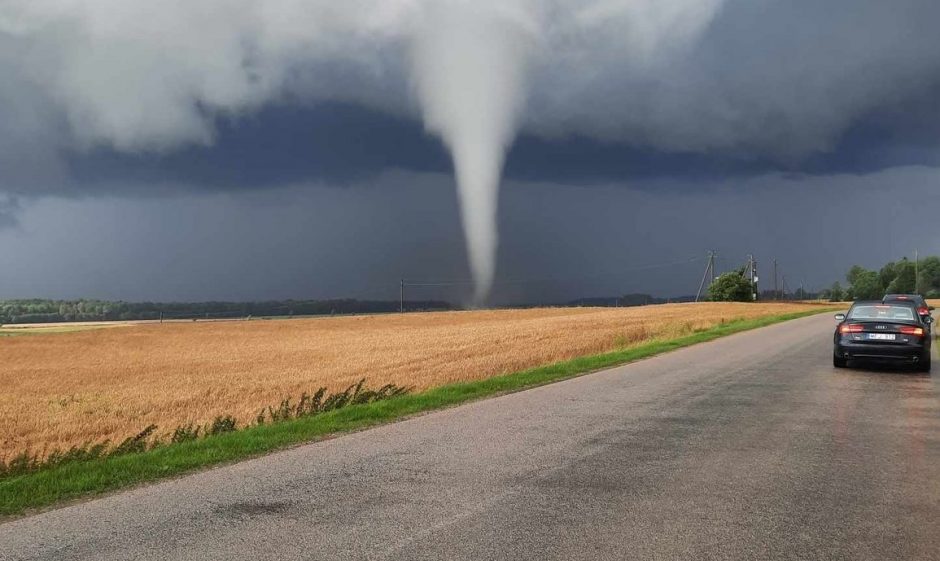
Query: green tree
<point>903,282</point>
<point>867,286</point>
<point>863,284</point>
<point>731,287</point>
<point>928,275</point>
<point>836,294</point>
<point>854,273</point>
<point>887,274</point>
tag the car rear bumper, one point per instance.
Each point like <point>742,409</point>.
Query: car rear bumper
<point>880,353</point>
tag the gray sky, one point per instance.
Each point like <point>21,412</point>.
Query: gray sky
<point>566,241</point>
<point>279,149</point>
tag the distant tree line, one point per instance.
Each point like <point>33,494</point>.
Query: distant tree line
<point>798,294</point>
<point>736,286</point>
<point>49,311</point>
<point>896,277</point>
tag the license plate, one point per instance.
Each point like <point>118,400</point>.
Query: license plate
<point>881,336</point>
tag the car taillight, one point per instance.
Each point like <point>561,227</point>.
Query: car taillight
<point>908,330</point>
<point>850,328</point>
<point>923,311</point>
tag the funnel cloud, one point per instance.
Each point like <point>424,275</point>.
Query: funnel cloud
<point>471,63</point>
<point>470,66</point>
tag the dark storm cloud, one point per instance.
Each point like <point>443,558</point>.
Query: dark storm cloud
<point>95,98</point>
<point>560,242</point>
<point>332,142</point>
<point>342,144</point>
<point>781,78</point>
<point>9,207</point>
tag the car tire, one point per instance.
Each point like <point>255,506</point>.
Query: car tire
<point>925,363</point>
<point>839,362</point>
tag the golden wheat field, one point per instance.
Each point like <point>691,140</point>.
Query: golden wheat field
<point>64,389</point>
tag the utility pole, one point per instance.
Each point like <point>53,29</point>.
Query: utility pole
<point>755,278</point>
<point>709,270</point>
<point>401,297</point>
<point>752,272</point>
<point>915,272</point>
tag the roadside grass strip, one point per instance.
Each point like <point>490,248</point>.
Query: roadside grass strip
<point>28,492</point>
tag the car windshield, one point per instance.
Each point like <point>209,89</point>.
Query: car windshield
<point>882,312</point>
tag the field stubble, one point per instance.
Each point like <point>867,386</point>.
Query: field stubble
<point>86,386</point>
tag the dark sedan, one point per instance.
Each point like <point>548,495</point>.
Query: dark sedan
<point>883,332</point>
<point>923,308</point>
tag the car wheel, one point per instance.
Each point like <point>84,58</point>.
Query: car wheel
<point>839,362</point>
<point>925,363</point>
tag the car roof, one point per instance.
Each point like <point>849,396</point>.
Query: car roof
<point>880,303</point>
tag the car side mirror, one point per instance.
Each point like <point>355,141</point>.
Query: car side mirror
<point>840,317</point>
<point>928,320</point>
<point>931,308</point>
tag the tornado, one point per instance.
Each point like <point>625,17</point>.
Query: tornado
<point>470,62</point>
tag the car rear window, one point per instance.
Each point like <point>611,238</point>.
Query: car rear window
<point>903,298</point>
<point>882,312</point>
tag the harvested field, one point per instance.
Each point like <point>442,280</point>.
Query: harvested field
<point>85,386</point>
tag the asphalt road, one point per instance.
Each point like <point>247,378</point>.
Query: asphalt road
<point>750,447</point>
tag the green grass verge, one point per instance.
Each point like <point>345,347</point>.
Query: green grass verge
<point>82,479</point>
